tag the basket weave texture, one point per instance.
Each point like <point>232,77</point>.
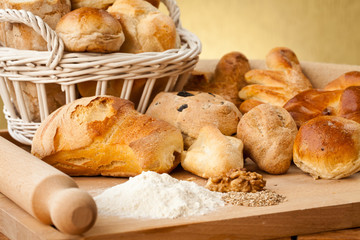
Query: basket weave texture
<point>68,69</point>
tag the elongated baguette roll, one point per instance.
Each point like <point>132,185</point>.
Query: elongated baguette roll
<point>104,135</point>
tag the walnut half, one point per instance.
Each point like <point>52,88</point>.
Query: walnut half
<point>237,180</point>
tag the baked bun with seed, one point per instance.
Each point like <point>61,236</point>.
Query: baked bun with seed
<point>281,81</point>
<point>90,30</point>
<point>328,147</point>
<point>313,103</point>
<point>268,133</point>
<point>344,81</point>
<point>213,154</point>
<point>106,136</point>
<point>190,111</point>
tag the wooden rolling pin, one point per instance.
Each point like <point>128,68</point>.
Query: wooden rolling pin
<point>43,191</point>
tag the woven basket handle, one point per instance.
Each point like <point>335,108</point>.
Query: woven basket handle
<point>174,11</point>
<point>54,44</point>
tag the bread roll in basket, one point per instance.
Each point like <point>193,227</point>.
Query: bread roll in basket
<point>69,69</point>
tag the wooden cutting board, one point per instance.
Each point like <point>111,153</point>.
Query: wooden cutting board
<point>312,205</point>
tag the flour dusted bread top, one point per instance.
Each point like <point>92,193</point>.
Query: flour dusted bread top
<point>106,136</point>
<point>20,36</point>
<point>190,111</point>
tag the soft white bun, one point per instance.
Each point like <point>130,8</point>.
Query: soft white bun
<point>213,154</point>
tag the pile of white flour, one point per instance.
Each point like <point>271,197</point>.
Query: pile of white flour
<point>153,195</point>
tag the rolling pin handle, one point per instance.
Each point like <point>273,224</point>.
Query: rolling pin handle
<point>73,210</point>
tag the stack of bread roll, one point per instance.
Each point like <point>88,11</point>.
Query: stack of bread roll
<point>285,119</point>
<point>106,26</point>
<point>272,116</point>
<point>280,119</point>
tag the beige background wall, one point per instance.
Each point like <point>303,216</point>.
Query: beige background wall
<point>316,30</point>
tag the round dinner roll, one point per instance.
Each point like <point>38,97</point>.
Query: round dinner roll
<point>90,30</point>
<point>268,133</point>
<point>146,28</point>
<point>102,3</point>
<point>328,147</point>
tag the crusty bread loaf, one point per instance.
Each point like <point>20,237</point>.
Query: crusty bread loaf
<point>227,79</point>
<point>146,29</point>
<point>276,85</point>
<point>104,135</point>
<point>268,133</point>
<point>213,154</point>
<point>20,36</point>
<point>312,103</point>
<point>328,147</point>
<point>190,111</point>
<point>345,80</point>
<point>90,30</point>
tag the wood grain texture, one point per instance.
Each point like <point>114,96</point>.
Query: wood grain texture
<point>310,208</point>
<point>353,234</point>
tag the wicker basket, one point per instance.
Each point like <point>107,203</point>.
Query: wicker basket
<point>70,69</point>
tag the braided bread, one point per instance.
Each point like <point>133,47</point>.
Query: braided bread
<point>283,80</point>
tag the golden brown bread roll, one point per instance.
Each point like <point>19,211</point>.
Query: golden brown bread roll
<point>20,36</point>
<point>276,85</point>
<point>268,133</point>
<point>312,103</point>
<point>105,136</point>
<point>190,111</point>
<point>90,30</point>
<point>226,81</point>
<point>146,29</point>
<point>213,154</point>
<point>103,4</point>
<point>328,147</point>
<point>346,80</point>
